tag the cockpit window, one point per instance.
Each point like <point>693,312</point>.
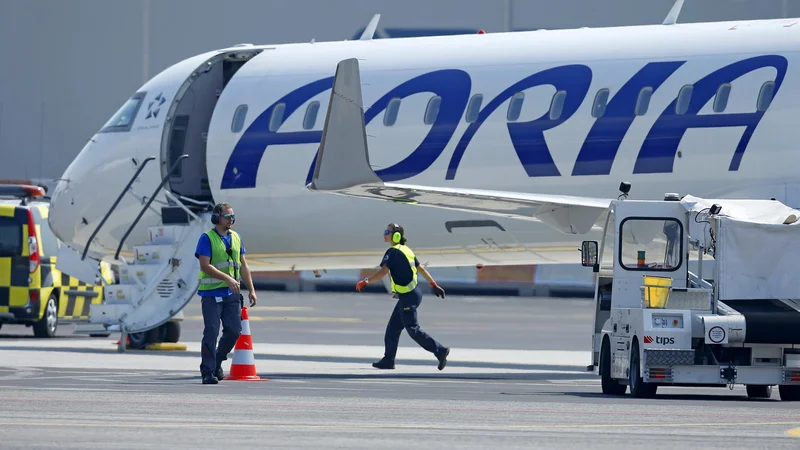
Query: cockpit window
<point>123,119</point>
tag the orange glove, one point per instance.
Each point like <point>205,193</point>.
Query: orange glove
<point>360,285</point>
<point>437,291</point>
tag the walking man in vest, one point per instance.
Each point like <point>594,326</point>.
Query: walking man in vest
<point>401,264</point>
<point>221,255</point>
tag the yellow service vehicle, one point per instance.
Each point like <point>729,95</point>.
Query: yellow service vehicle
<point>32,291</point>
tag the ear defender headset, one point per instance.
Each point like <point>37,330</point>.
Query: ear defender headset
<point>215,213</point>
<point>396,236</point>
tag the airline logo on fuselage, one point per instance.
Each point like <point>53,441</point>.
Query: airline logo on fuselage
<point>154,107</point>
<point>596,155</point>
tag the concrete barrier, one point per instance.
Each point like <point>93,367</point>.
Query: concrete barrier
<point>557,280</point>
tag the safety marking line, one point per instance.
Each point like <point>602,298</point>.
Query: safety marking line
<point>163,424</point>
<point>418,252</point>
<point>254,318</point>
<point>259,308</point>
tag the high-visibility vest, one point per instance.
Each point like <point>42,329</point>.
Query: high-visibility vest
<point>410,256</point>
<point>221,260</point>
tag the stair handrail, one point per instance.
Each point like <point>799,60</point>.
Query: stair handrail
<point>150,200</point>
<point>114,206</point>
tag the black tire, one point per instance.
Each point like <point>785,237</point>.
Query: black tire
<point>639,389</point>
<point>789,393</point>
<point>172,331</point>
<point>47,326</point>
<point>759,391</point>
<point>139,341</point>
<point>610,386</point>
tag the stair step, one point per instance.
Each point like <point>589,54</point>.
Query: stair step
<point>108,314</point>
<point>166,234</point>
<point>145,273</point>
<point>120,293</point>
<point>153,253</point>
<point>90,328</point>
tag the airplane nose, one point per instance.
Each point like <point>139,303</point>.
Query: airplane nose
<point>59,205</point>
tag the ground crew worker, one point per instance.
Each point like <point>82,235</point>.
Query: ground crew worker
<point>221,255</point>
<point>401,264</point>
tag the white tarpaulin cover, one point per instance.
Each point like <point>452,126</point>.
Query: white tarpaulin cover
<point>753,211</point>
<point>758,245</point>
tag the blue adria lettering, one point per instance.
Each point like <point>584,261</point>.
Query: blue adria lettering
<point>657,154</point>
<point>598,150</point>
<point>600,147</point>
<point>454,87</point>
<point>528,137</point>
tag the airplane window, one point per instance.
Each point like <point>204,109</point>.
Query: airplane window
<point>515,106</point>
<point>765,96</point>
<point>651,244</point>
<point>721,99</point>
<point>600,102</point>
<point>392,109</point>
<point>10,237</point>
<point>684,99</point>
<point>432,111</point>
<point>474,108</point>
<point>276,120</point>
<point>238,118</point>
<point>643,102</point>
<point>557,104</point>
<point>311,115</point>
<point>122,120</point>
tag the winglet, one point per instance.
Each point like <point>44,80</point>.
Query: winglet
<point>343,157</point>
<point>672,17</point>
<point>371,27</point>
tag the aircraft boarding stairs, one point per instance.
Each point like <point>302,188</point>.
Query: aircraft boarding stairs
<point>145,304</point>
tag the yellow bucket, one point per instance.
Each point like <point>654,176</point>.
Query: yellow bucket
<point>656,291</point>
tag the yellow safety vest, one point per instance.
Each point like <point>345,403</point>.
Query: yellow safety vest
<point>409,287</point>
<point>221,260</point>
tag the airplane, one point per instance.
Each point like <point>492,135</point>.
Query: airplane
<point>705,108</point>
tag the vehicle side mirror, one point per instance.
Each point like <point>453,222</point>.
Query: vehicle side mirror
<point>589,254</point>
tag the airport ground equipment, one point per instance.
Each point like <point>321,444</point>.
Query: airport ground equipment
<point>160,278</point>
<point>734,318</point>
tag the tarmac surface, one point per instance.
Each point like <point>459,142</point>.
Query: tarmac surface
<point>516,378</point>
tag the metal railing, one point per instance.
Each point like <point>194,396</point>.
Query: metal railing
<point>114,206</point>
<point>150,200</point>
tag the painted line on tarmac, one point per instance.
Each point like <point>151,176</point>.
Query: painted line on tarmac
<point>254,318</point>
<point>22,373</point>
<point>255,310</point>
<point>794,432</point>
<point>489,410</point>
<point>177,425</point>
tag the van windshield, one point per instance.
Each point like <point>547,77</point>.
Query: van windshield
<point>10,237</point>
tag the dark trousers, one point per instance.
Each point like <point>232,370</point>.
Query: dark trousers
<point>405,316</point>
<point>230,313</point>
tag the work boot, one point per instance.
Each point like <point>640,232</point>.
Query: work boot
<point>209,379</point>
<point>219,373</point>
<point>383,364</point>
<point>443,358</point>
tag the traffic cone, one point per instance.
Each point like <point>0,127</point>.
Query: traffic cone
<point>243,366</point>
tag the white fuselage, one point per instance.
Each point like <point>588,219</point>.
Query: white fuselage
<point>571,143</point>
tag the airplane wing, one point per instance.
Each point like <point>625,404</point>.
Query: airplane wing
<point>343,168</point>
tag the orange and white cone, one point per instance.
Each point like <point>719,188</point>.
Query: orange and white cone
<point>243,366</point>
